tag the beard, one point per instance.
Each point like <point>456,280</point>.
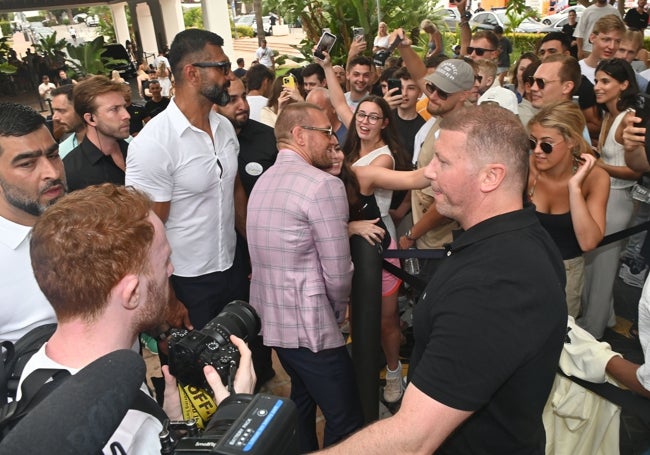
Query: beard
<point>154,311</point>
<point>20,199</point>
<point>215,94</point>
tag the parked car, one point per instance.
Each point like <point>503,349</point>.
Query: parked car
<point>553,18</point>
<point>451,18</point>
<point>249,21</point>
<point>42,32</point>
<point>488,20</point>
<point>92,21</point>
<point>116,51</point>
<point>79,18</point>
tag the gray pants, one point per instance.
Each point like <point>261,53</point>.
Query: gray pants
<point>601,267</point>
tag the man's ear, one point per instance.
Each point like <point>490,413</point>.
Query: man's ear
<point>129,291</point>
<point>492,176</point>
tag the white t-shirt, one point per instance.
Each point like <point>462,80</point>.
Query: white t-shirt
<point>587,21</point>
<point>588,71</point>
<point>138,432</point>
<point>22,304</point>
<point>643,373</point>
<point>256,103</point>
<point>264,55</point>
<point>172,160</point>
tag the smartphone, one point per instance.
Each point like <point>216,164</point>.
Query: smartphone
<point>394,44</point>
<point>395,83</point>
<point>358,32</point>
<point>289,81</point>
<point>642,109</point>
<point>415,35</point>
<point>325,43</point>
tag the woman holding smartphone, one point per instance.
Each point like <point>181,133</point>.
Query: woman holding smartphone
<point>616,90</point>
<point>362,183</point>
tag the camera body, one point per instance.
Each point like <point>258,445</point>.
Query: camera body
<point>243,425</point>
<point>190,351</point>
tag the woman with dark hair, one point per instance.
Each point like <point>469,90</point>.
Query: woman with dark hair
<point>373,141</point>
<point>362,183</point>
<point>518,71</point>
<point>616,90</point>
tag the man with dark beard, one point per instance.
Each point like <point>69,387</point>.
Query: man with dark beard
<point>257,147</point>
<point>110,232</point>
<point>257,152</point>
<point>31,179</point>
<point>185,159</point>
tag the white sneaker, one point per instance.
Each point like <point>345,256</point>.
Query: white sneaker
<point>394,388</point>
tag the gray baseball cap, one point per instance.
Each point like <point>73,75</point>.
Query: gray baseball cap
<point>453,75</point>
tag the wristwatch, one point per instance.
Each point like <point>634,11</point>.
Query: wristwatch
<point>409,237</point>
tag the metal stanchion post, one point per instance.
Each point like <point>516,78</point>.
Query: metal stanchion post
<point>366,323</point>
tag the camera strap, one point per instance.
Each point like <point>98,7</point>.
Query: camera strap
<point>197,404</point>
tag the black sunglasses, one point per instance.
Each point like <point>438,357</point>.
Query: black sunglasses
<point>479,50</point>
<point>541,83</point>
<point>431,87</point>
<point>478,78</point>
<point>545,146</point>
<point>223,66</point>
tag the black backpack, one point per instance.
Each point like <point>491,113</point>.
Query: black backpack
<point>41,382</point>
<point>16,355</point>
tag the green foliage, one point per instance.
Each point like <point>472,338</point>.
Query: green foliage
<point>193,18</point>
<point>341,15</point>
<point>6,28</point>
<point>244,31</point>
<point>105,21</point>
<point>86,59</point>
<point>39,18</point>
<point>52,50</point>
<point>5,66</point>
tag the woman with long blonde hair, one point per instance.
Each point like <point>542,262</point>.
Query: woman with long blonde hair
<point>569,191</point>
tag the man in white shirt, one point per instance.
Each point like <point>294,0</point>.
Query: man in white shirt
<point>45,89</point>
<point>185,159</point>
<point>264,55</point>
<point>31,179</point>
<point>586,24</point>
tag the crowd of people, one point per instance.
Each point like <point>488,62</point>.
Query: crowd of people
<point>243,184</point>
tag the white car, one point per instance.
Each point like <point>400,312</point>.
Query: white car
<point>92,21</point>
<point>79,18</point>
<point>488,20</point>
<point>553,18</point>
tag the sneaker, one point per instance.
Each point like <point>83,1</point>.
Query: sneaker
<point>393,389</point>
<point>633,276</point>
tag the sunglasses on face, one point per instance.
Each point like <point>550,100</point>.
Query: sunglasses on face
<point>546,147</point>
<point>431,88</point>
<point>478,50</point>
<point>541,83</point>
<point>223,66</point>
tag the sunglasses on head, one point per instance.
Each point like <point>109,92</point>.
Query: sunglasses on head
<point>431,87</point>
<point>478,50</point>
<point>545,146</point>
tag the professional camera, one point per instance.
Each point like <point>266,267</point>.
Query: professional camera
<point>190,351</point>
<point>244,424</point>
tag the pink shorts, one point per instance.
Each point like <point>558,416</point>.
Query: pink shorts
<point>390,283</point>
